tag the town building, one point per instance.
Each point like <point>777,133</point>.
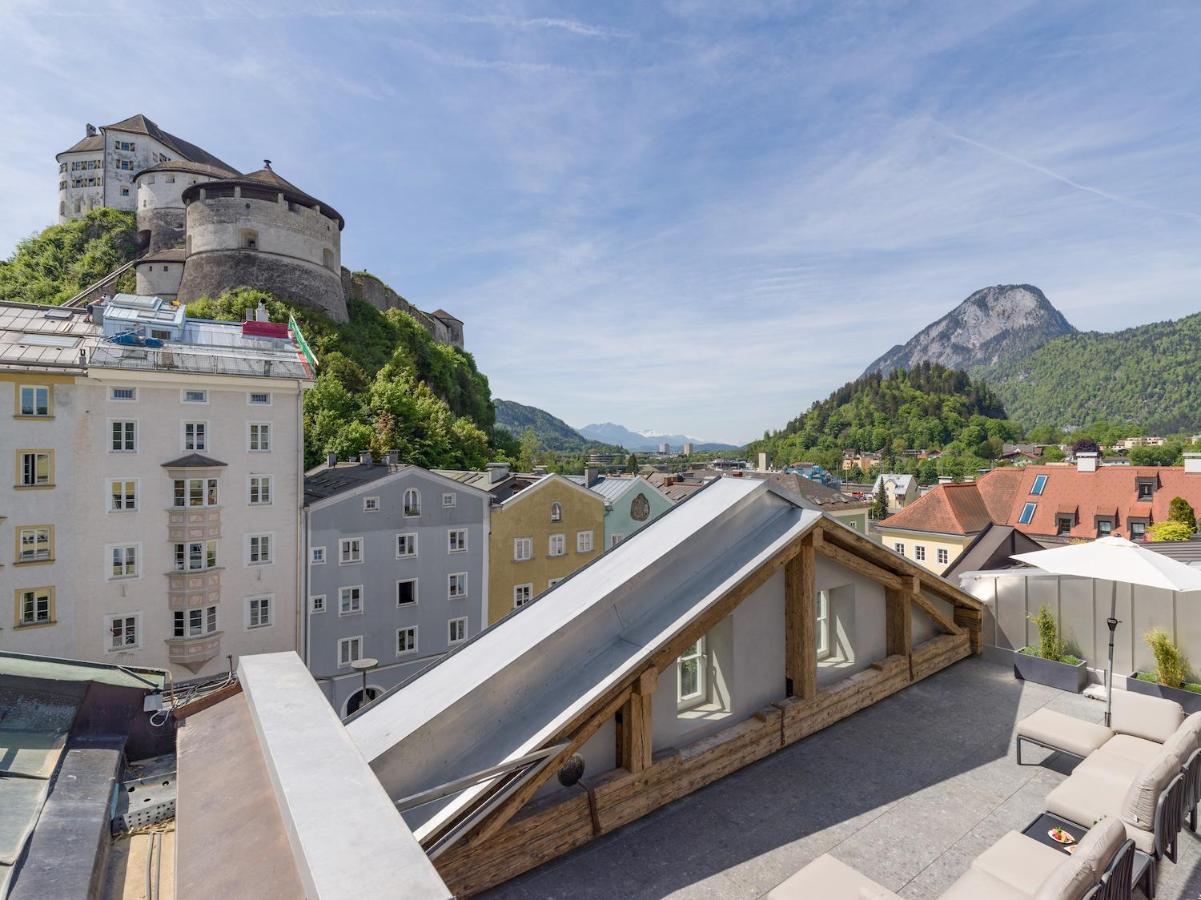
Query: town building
<point>861,459</point>
<point>679,486</point>
<point>396,571</point>
<point>812,494</point>
<point>156,460</point>
<point>540,535</point>
<point>630,502</point>
<point>1149,440</point>
<point>687,449</point>
<point>899,490</point>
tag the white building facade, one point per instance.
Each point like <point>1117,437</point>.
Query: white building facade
<point>153,514</point>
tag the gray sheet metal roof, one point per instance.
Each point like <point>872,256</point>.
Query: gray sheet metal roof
<point>612,487</point>
<point>505,692</point>
<point>1182,551</point>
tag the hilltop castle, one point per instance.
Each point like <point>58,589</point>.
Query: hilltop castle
<point>206,228</point>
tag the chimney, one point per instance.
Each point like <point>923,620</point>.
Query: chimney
<point>591,475</point>
<point>365,458</point>
<point>89,130</point>
<point>1192,463</point>
<point>540,470</point>
<point>497,471</point>
<point>1086,461</point>
<point>392,457</point>
<point>945,479</point>
<point>261,314</point>
<point>331,460</point>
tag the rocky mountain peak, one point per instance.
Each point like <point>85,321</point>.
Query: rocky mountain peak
<point>993,324</point>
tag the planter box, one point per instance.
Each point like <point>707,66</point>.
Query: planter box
<point>1050,672</point>
<point>1190,701</point>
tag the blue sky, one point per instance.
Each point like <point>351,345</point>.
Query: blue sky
<point>697,216</point>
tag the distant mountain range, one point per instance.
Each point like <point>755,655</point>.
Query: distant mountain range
<point>611,433</point>
<point>1048,373</point>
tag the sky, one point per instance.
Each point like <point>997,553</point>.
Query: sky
<point>692,216</point>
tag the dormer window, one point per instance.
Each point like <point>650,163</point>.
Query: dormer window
<point>1146,488</point>
<point>1063,525</point>
<point>1104,527</point>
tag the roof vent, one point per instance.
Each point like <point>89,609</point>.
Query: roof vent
<point>1192,463</point>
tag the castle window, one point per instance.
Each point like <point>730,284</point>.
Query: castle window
<point>170,179</point>
<point>250,239</point>
<point>124,192</point>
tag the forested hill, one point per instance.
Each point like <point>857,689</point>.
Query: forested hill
<point>554,433</point>
<point>926,407</point>
<point>1150,375</point>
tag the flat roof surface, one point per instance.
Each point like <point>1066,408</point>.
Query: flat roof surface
<point>53,669</point>
<point>908,791</point>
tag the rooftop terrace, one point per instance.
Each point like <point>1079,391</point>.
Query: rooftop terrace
<point>908,791</point>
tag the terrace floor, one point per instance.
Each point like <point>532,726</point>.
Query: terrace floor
<point>908,791</point>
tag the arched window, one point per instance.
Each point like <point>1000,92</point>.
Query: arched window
<point>412,502</point>
<point>358,699</point>
<point>556,512</point>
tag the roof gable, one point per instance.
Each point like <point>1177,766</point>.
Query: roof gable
<point>553,478</point>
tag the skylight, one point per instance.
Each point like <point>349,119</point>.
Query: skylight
<point>1040,482</point>
<point>1028,511</point>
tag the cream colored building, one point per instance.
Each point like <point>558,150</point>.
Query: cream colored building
<point>152,515</point>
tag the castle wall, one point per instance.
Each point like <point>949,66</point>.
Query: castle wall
<point>369,289</point>
<point>75,195</point>
<point>159,279</point>
<point>121,165</point>
<point>161,211</point>
<point>161,229</point>
<point>282,229</point>
<point>211,273</point>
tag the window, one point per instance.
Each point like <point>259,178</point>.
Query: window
<point>193,396</point>
<point>1146,489</point>
<point>258,398</point>
<point>822,610</point>
<point>123,632</point>
<point>690,669</point>
<point>919,552</point>
<point>944,556</point>
<point>406,592</point>
<point>260,491</point>
<point>615,539</point>
<point>556,512</point>
<point>350,551</point>
<point>317,603</point>
<point>412,502</point>
<point>195,492</point>
<point>34,400</point>
<point>456,540</point>
<point>258,611</point>
<point>124,561</point>
<point>456,585</point>
<point>406,640</point>
<point>35,543</point>
<point>1104,526</point>
<point>35,606</point>
<point>449,500</point>
<point>350,600</point>
<point>195,622</point>
<point>35,468</point>
<point>556,545</point>
<point>406,545</point>
<point>1063,525</point>
<point>1040,482</point>
<point>123,394</point>
<point>899,546</point>
<point>124,436</point>
<point>583,542</point>
<point>260,437</point>
<point>249,239</point>
<point>456,630</point>
<point>259,550</point>
<point>196,556</point>
<point>371,504</point>
<point>1138,530</point>
<point>522,594</point>
<point>349,649</point>
<point>523,549</point>
<point>317,556</point>
<point>1027,513</point>
<point>194,435</point>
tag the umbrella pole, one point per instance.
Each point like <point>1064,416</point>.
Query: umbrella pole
<point>1112,622</point>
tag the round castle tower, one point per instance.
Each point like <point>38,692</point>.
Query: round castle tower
<point>258,230</point>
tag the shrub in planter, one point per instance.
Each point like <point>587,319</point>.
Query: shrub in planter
<point>1169,678</point>
<point>1048,663</point>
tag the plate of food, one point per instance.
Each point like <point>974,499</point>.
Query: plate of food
<point>1060,836</point>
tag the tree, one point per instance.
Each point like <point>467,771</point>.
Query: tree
<point>1180,510</point>
<point>879,508</point>
<point>1053,454</point>
<point>1169,531</point>
<point>530,445</point>
<point>632,463</point>
<point>1165,455</point>
<point>1086,445</point>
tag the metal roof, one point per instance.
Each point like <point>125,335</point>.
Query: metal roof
<point>612,487</point>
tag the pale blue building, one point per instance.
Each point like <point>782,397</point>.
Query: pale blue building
<point>630,502</point>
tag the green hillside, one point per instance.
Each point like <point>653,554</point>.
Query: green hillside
<point>553,433</point>
<point>926,407</point>
<point>53,266</point>
<point>1148,374</point>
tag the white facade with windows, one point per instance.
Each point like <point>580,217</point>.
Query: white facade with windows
<point>136,519</point>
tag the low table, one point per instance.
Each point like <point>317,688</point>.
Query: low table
<point>1037,830</point>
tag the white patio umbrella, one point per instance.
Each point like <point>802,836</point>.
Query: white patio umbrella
<point>1115,559</point>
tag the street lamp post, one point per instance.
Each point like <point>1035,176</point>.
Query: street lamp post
<point>364,664</point>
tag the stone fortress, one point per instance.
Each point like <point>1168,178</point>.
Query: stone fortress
<point>205,228</point>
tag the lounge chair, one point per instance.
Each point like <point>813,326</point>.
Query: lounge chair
<point>1015,868</point>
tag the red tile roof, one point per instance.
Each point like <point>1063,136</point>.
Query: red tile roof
<point>949,508</point>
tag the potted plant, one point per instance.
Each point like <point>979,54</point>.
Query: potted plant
<point>1049,663</point>
<point>1170,678</point>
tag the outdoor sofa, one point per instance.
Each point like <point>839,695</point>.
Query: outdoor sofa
<point>1016,867</point>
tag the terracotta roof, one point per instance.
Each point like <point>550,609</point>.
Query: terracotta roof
<point>139,124</point>
<point>89,144</point>
<point>949,509</point>
<point>185,165</point>
<point>998,489</point>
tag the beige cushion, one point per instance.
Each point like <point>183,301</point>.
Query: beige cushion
<point>1137,749</point>
<point>1102,844</point>
<point>1138,807</point>
<point>1070,881</point>
<point>1152,718</point>
<point>1192,726</point>
<point>830,878</point>
<point>1117,767</point>
<point>1021,862</point>
<point>977,885</point>
<point>1054,729</point>
<point>1180,746</point>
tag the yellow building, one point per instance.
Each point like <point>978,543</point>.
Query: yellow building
<point>540,535</point>
<point>934,529</point>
